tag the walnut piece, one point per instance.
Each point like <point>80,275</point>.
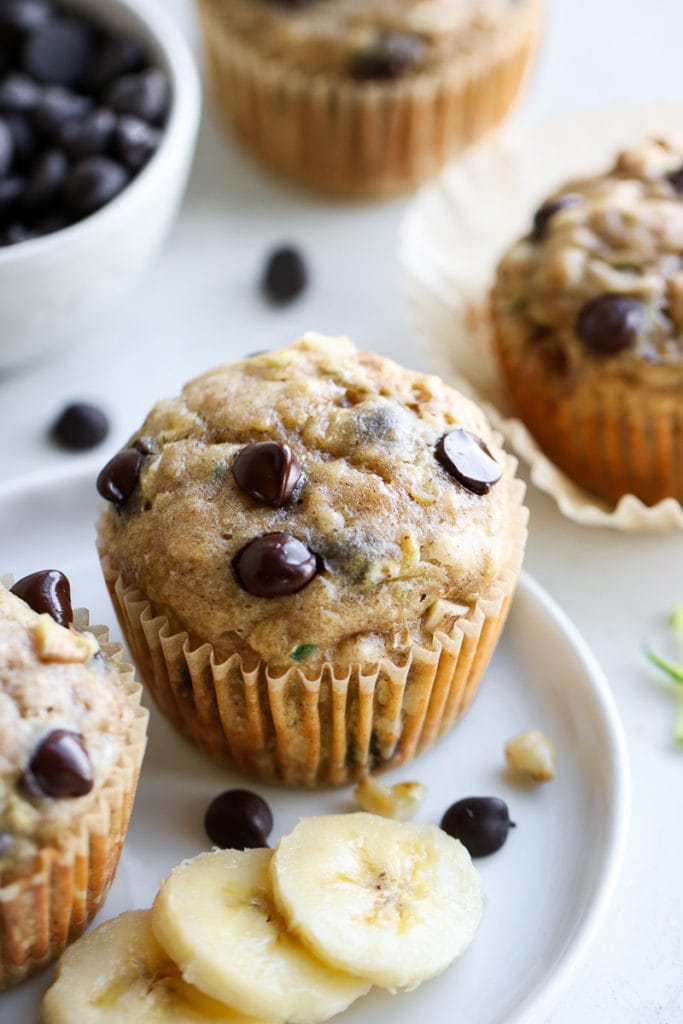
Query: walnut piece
<point>55,643</point>
<point>532,755</point>
<point>399,801</point>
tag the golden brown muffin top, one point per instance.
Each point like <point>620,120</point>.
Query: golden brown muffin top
<point>388,533</point>
<point>597,286</point>
<point>63,724</point>
<point>366,39</point>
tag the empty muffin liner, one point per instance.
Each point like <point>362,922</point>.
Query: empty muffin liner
<point>355,140</point>
<point>330,729</point>
<point>48,903</point>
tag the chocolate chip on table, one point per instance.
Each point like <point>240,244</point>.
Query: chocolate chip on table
<point>136,141</point>
<point>390,55</point>
<point>285,275</point>
<point>115,58</point>
<point>61,51</point>
<point>547,211</point>
<point>268,471</point>
<point>92,183</point>
<point>481,823</point>
<point>119,478</point>
<point>274,565</point>
<point>47,180</point>
<point>238,819</point>
<point>6,148</point>
<point>91,135</point>
<point>60,767</point>
<point>467,458</point>
<point>46,592</point>
<point>19,93</point>
<point>19,17</point>
<point>610,322</point>
<point>144,95</point>
<point>80,426</point>
<point>56,109</point>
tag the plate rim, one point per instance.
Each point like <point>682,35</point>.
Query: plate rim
<point>546,992</point>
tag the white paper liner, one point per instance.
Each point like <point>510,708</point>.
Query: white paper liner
<point>452,238</point>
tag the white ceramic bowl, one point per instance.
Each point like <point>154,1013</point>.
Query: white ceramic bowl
<point>54,289</point>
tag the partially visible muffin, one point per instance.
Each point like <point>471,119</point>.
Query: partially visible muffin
<point>72,737</point>
<point>365,97</point>
<point>311,552</point>
<point>588,314</point>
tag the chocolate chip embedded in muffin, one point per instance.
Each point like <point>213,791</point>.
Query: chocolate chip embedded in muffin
<point>268,471</point>
<point>274,565</point>
<point>47,591</point>
<point>610,323</point>
<point>389,55</point>
<point>119,478</point>
<point>548,210</point>
<point>60,767</point>
<point>467,458</point>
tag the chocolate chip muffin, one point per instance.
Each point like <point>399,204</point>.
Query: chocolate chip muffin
<point>72,737</point>
<point>365,97</point>
<point>588,310</point>
<point>311,553</point>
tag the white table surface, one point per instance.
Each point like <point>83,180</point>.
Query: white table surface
<point>618,589</point>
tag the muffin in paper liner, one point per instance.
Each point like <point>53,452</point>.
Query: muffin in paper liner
<point>49,901</point>
<point>328,730</point>
<point>374,139</point>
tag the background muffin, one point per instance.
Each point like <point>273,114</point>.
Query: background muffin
<point>72,737</point>
<point>588,312</point>
<point>311,553</point>
<point>365,97</point>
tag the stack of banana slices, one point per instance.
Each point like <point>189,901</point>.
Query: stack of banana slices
<point>296,934</point>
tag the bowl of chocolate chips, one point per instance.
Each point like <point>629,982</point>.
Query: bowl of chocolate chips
<point>99,111</point>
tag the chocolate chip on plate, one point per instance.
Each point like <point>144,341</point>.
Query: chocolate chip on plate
<point>481,823</point>
<point>144,95</point>
<point>19,93</point>
<point>117,57</point>
<point>268,471</point>
<point>285,275</point>
<point>390,55</point>
<point>46,181</point>
<point>92,183</point>
<point>91,135</point>
<point>136,141</point>
<point>547,211</point>
<point>238,819</point>
<point>19,17</point>
<point>56,109</point>
<point>467,458</point>
<point>274,565</point>
<point>119,478</point>
<point>610,322</point>
<point>80,426</point>
<point>60,51</point>
<point>60,766</point>
<point>46,592</point>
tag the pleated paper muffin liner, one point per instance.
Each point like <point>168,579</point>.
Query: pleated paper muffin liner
<point>354,140</point>
<point>452,239</point>
<point>49,902</point>
<point>328,730</point>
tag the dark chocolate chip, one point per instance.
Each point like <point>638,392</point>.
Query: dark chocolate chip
<point>80,426</point>
<point>24,139</point>
<point>285,275</point>
<point>60,767</point>
<point>45,184</point>
<point>19,17</point>
<point>481,823</point>
<point>676,180</point>
<point>57,108</point>
<point>19,93</point>
<point>390,55</point>
<point>238,820</point>
<point>93,183</point>
<point>6,148</point>
<point>120,476</point>
<point>60,52</point>
<point>46,592</point>
<point>11,194</point>
<point>547,211</point>
<point>136,141</point>
<point>91,135</point>
<point>50,222</point>
<point>268,471</point>
<point>274,565</point>
<point>144,95</point>
<point>610,323</point>
<point>466,457</point>
<point>116,57</point>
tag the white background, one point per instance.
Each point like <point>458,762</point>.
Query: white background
<point>193,313</point>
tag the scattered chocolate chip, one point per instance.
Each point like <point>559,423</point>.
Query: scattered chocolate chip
<point>136,141</point>
<point>676,180</point>
<point>466,457</point>
<point>481,823</point>
<point>6,148</point>
<point>19,17</point>
<point>91,135</point>
<point>93,183</point>
<point>60,767</point>
<point>285,275</point>
<point>19,93</point>
<point>46,592</point>
<point>80,426</point>
<point>117,57</point>
<point>610,323</point>
<point>274,565</point>
<point>391,55</point>
<point>120,476</point>
<point>144,95</point>
<point>56,109</point>
<point>60,51</point>
<point>238,820</point>
<point>545,213</point>
<point>47,180</point>
<point>268,471</point>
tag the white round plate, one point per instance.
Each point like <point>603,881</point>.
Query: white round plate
<point>546,889</point>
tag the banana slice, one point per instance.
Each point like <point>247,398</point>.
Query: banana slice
<point>390,901</point>
<point>119,973</point>
<point>215,917</point>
